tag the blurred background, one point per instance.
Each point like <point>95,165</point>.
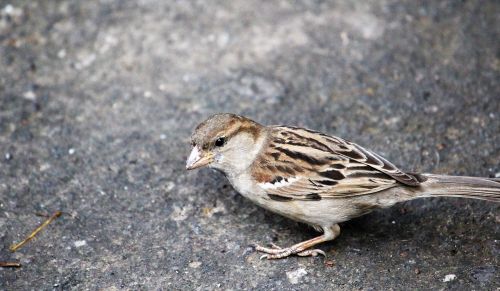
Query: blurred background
<point>98,100</point>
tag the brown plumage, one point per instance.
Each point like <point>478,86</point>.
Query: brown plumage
<point>315,178</point>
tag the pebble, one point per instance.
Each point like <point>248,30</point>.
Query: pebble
<point>169,186</point>
<point>195,264</point>
<point>344,37</point>
<point>80,243</point>
<point>11,11</point>
<point>85,61</point>
<point>449,277</point>
<point>8,9</point>
<point>61,54</point>
<point>295,276</point>
<point>29,95</point>
<point>223,40</point>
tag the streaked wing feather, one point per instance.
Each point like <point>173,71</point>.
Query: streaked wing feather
<point>351,151</point>
<point>303,189</point>
<point>317,166</point>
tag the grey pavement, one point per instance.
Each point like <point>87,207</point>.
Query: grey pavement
<point>98,100</point>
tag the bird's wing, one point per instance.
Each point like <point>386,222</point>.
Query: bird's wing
<point>306,165</point>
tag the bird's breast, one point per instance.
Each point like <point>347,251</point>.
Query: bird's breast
<point>246,186</point>
<point>309,212</point>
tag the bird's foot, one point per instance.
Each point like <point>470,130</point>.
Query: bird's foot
<point>276,252</point>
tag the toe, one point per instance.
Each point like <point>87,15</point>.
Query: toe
<point>312,253</point>
<point>274,246</point>
<point>274,250</point>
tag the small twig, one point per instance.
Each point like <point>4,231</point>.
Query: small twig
<point>47,215</point>
<point>42,214</point>
<point>15,247</point>
<point>10,264</point>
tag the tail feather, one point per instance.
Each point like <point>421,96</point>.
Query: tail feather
<point>465,187</point>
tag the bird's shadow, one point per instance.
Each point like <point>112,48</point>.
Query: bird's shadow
<point>406,222</point>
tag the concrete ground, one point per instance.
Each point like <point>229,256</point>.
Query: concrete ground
<point>98,100</point>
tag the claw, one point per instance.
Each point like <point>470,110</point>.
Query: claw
<point>312,253</point>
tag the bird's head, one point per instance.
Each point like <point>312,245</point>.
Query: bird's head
<point>227,142</point>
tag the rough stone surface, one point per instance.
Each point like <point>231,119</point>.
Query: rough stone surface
<point>98,99</point>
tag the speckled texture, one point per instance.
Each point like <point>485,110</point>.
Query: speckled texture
<point>98,100</point>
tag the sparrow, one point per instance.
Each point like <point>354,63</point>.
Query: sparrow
<point>314,178</point>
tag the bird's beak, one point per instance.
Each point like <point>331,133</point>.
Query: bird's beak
<point>198,159</point>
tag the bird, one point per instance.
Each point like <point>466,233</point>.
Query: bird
<point>314,178</point>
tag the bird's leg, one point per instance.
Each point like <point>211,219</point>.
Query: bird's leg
<point>300,249</point>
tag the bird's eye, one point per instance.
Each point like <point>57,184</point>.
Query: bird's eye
<point>220,141</point>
